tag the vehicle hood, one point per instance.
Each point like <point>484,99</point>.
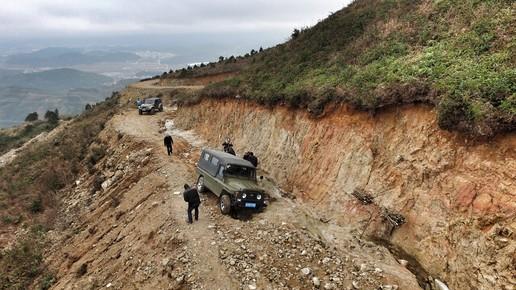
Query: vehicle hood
<point>146,105</point>
<point>237,184</point>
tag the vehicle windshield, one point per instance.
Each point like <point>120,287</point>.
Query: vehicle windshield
<point>240,171</point>
<point>149,101</point>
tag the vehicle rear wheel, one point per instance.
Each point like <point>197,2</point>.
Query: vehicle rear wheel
<point>225,204</point>
<point>161,109</point>
<point>200,185</point>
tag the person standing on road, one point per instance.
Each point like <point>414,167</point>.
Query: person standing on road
<point>138,103</point>
<point>191,196</point>
<point>168,143</point>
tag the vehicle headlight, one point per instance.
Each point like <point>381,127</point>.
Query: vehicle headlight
<point>259,196</point>
<point>244,195</point>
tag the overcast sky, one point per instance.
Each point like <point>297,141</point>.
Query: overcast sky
<point>48,18</point>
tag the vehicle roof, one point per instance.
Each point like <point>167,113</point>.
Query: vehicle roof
<point>227,158</point>
<point>153,98</point>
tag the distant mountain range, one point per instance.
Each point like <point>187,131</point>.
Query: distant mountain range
<point>68,90</point>
<point>56,80</point>
<point>61,57</point>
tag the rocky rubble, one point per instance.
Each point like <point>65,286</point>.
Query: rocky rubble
<point>271,256</point>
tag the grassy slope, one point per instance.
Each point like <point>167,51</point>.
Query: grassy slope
<point>458,55</point>
<point>14,138</point>
<point>29,192</point>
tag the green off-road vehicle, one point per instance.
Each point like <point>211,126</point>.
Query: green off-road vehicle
<point>232,179</point>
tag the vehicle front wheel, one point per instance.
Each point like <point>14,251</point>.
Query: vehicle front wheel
<point>200,185</point>
<point>140,112</point>
<point>225,204</point>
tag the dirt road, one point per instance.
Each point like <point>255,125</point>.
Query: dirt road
<point>154,85</point>
<point>131,233</point>
<point>260,235</point>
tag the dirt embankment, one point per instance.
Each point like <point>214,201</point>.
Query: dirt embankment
<point>122,226</point>
<point>457,198</point>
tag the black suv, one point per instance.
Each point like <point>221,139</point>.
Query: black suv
<point>150,105</point>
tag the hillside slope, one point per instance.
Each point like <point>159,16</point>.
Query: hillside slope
<point>457,197</point>
<point>457,55</point>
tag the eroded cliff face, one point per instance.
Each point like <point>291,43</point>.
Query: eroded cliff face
<point>458,197</point>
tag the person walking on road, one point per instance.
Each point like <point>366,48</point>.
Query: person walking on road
<point>168,143</point>
<point>191,196</point>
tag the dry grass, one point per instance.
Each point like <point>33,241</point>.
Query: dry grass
<point>30,188</point>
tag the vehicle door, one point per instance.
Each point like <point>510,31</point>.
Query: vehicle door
<point>214,167</point>
<point>219,180</point>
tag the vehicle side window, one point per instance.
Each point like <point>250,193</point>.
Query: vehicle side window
<point>206,156</point>
<point>220,174</point>
<point>215,161</point>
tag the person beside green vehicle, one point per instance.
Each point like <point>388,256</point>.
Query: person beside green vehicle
<point>232,179</point>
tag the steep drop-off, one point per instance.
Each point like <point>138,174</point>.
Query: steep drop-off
<point>458,197</point>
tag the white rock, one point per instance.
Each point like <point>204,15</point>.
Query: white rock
<point>440,285</point>
<point>355,285</point>
<point>316,282</point>
<point>106,184</point>
<point>165,262</point>
<point>252,287</point>
<point>363,267</point>
<point>109,285</point>
<point>306,271</point>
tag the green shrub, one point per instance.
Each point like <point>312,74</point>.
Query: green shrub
<point>22,263</point>
<point>36,206</point>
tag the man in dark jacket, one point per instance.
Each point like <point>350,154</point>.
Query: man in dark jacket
<point>168,142</point>
<point>249,156</point>
<point>230,150</point>
<point>228,146</point>
<point>191,196</point>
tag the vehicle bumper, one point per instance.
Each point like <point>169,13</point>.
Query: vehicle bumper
<point>248,204</point>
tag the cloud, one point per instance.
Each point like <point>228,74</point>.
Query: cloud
<point>28,18</point>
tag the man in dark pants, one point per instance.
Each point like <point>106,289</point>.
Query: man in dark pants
<point>191,196</point>
<point>168,142</point>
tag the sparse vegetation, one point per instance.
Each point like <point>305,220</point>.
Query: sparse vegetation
<point>36,205</point>
<point>456,55</point>
<point>29,186</point>
<point>23,262</point>
<point>32,117</point>
<point>13,138</point>
<point>52,116</point>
